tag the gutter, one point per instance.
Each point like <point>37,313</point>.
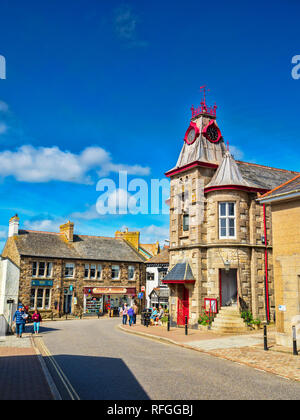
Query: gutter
<point>267,305</point>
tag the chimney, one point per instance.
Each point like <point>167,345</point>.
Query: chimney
<point>68,231</point>
<point>13,228</point>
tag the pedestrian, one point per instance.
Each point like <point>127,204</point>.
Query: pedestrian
<point>125,312</point>
<point>37,319</point>
<point>135,309</point>
<point>130,314</point>
<point>20,319</point>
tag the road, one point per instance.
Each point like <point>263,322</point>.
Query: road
<point>93,360</point>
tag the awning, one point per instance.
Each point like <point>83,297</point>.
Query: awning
<point>181,273</point>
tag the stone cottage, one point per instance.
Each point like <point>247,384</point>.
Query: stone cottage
<point>61,272</point>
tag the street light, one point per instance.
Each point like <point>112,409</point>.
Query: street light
<point>227,265</point>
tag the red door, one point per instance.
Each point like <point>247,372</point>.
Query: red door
<point>183,306</point>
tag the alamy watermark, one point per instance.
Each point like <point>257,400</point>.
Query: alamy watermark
<point>181,196</point>
<point>296,68</point>
<point>2,67</point>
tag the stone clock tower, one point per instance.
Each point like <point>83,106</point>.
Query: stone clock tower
<point>220,236</point>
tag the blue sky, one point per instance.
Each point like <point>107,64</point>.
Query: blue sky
<point>96,86</point>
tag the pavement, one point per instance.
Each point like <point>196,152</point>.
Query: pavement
<point>245,349</point>
<point>24,375</point>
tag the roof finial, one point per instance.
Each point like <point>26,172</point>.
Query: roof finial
<point>227,146</point>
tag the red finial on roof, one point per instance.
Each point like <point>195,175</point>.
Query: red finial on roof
<point>203,108</point>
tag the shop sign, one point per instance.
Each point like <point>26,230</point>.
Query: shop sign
<point>42,283</point>
<point>109,290</point>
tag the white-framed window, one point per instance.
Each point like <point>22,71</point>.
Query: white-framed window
<point>115,272</point>
<point>69,270</point>
<point>40,298</point>
<point>227,220</point>
<point>92,271</point>
<point>41,269</point>
<point>131,271</point>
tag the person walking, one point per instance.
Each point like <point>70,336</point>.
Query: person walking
<point>37,319</point>
<point>20,319</point>
<point>125,312</point>
<point>130,314</point>
<point>135,309</point>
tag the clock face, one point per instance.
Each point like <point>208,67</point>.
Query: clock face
<point>212,132</point>
<point>191,134</point>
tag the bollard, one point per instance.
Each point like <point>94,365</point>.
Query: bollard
<point>186,325</point>
<point>265,339</point>
<point>168,322</point>
<point>295,351</point>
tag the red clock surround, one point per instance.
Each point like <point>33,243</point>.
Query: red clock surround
<point>212,132</point>
<point>192,133</point>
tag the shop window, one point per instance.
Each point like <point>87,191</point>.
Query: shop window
<point>131,271</point>
<point>40,298</point>
<point>227,229</point>
<point>99,271</point>
<point>115,272</point>
<point>86,271</point>
<point>69,270</point>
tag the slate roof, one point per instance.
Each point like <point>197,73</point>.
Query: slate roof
<point>292,186</point>
<point>54,245</point>
<point>265,177</point>
<point>180,272</point>
<point>161,258</point>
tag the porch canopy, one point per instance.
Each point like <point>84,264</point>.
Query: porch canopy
<point>181,273</point>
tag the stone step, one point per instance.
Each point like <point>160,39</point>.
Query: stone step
<point>233,322</point>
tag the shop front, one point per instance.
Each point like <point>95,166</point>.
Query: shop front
<point>107,299</point>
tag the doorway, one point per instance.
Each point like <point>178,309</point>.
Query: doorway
<point>68,295</point>
<point>183,305</point>
<point>228,287</point>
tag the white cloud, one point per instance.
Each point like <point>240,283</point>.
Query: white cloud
<point>152,233</point>
<point>46,225</point>
<point>236,152</point>
<point>3,128</point>
<point>3,106</point>
<point>89,214</point>
<point>125,24</point>
<point>44,164</point>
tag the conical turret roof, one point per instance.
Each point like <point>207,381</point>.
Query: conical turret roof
<point>228,174</point>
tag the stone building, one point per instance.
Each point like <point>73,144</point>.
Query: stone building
<point>220,236</point>
<point>285,205</point>
<point>68,273</point>
<point>157,293</point>
<point>146,250</point>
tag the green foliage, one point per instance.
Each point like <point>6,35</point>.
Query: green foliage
<point>204,319</point>
<point>248,318</point>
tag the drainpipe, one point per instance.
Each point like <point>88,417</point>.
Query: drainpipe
<point>266,269</point>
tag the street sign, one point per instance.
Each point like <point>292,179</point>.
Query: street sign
<point>140,295</point>
<point>142,288</point>
<point>10,301</point>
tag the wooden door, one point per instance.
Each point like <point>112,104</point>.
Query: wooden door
<point>183,305</point>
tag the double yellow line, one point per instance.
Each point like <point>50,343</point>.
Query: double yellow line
<point>65,381</point>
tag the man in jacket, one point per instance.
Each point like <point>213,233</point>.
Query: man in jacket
<point>20,319</point>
